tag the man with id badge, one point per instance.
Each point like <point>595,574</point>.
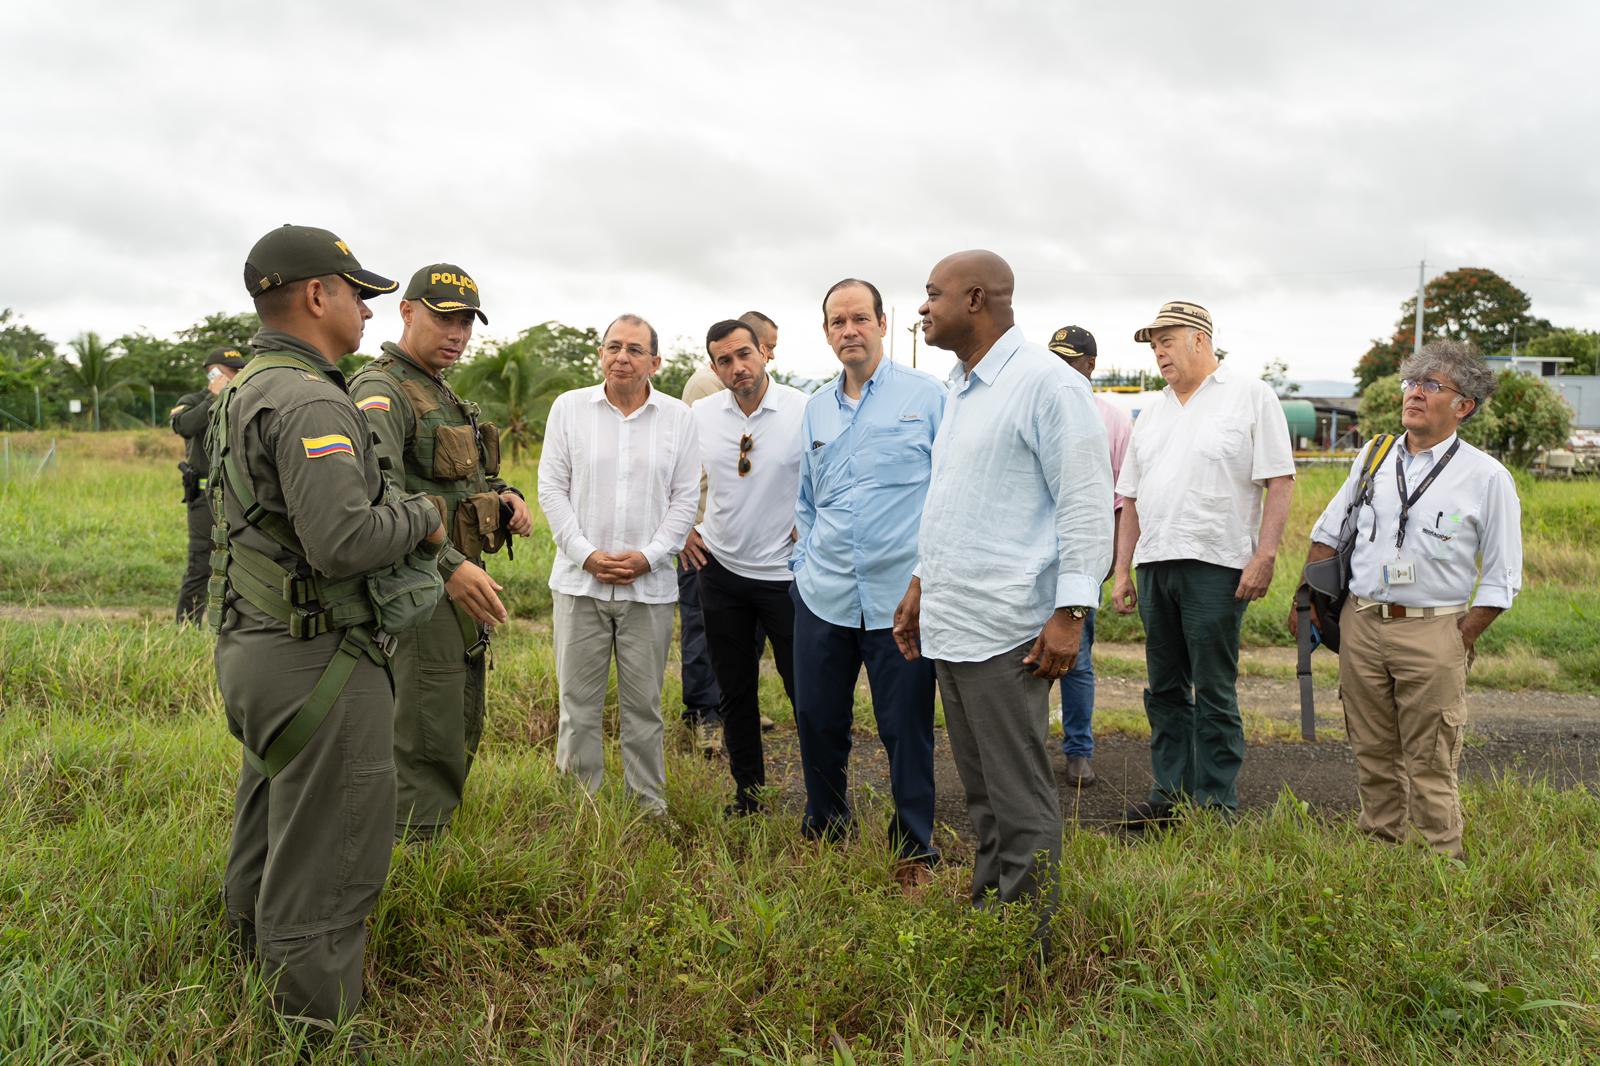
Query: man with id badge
<point>1441,518</point>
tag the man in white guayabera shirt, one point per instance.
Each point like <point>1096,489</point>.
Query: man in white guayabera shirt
<point>1014,542</point>
<point>618,481</point>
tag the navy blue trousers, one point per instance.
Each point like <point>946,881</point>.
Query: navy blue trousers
<point>701,696</point>
<point>827,661</point>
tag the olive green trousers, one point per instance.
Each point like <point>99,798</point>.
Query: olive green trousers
<point>310,848</point>
<point>438,721</point>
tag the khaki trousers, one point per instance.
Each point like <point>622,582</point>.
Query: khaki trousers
<point>1403,682</point>
<point>588,632</point>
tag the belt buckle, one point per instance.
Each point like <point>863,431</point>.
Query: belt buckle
<point>1394,610</point>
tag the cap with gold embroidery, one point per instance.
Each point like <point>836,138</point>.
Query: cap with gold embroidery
<point>1072,342</point>
<point>445,287</point>
<point>228,357</point>
<point>294,253</point>
<point>1177,313</point>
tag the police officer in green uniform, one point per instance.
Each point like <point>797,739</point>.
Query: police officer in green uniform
<point>315,556</point>
<point>189,420</point>
<point>430,440</point>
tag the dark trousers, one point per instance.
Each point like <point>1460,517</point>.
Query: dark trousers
<point>998,717</point>
<point>828,659</point>
<point>1191,630</point>
<point>197,574</point>
<point>702,698</point>
<point>734,607</point>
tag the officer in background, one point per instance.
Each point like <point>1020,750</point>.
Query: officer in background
<point>189,421</point>
<point>429,440</point>
<point>317,559</point>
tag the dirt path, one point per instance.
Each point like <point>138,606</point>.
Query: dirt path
<point>17,613</point>
<point>1530,733</point>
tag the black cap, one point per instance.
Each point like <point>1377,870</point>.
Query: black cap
<point>1073,342</point>
<point>228,357</point>
<point>445,287</point>
<point>294,253</point>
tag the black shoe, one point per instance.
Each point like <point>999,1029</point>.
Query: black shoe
<point>741,810</point>
<point>1080,772</point>
<point>1146,814</point>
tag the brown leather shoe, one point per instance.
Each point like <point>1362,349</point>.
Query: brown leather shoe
<point>1080,772</point>
<point>913,878</point>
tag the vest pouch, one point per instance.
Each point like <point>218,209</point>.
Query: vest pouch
<point>455,453</point>
<point>489,435</point>
<point>477,531</point>
<point>404,595</point>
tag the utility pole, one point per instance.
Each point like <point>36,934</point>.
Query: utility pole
<point>96,407</point>
<point>915,328</point>
<point>891,334</point>
<point>152,405</point>
<point>1416,345</point>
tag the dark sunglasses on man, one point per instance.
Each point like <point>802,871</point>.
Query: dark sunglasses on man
<point>745,444</point>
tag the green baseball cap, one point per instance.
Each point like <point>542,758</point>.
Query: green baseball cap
<point>445,287</point>
<point>294,253</point>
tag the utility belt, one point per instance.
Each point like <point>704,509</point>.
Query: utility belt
<point>363,609</point>
<point>194,483</point>
<point>1396,610</point>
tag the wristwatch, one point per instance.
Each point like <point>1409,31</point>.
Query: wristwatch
<point>1080,613</point>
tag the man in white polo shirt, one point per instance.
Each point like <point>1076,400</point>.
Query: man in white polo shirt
<point>1443,519</point>
<point>750,450</point>
<point>618,484</point>
<point>1195,524</point>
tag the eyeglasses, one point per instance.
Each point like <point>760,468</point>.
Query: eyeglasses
<point>1430,387</point>
<point>746,442</point>
<point>616,348</point>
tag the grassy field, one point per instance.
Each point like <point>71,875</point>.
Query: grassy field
<point>552,928</point>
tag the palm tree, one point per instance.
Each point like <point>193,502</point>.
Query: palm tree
<point>99,374</point>
<point>515,384</point>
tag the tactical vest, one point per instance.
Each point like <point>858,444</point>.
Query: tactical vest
<point>450,456</point>
<point>363,608</point>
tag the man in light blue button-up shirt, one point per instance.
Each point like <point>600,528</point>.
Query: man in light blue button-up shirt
<point>868,439</point>
<point>1014,542</point>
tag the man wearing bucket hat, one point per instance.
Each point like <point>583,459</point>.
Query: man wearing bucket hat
<point>430,440</point>
<point>189,420</point>
<point>1076,347</point>
<point>1205,542</point>
<point>314,561</point>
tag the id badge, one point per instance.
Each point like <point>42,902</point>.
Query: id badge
<point>1399,573</point>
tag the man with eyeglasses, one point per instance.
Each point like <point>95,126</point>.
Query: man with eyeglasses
<point>750,449</point>
<point>1442,520</point>
<point>617,482</point>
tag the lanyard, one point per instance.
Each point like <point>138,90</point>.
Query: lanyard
<point>1407,502</point>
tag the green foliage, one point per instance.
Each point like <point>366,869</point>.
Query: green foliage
<point>676,369</point>
<point>175,364</point>
<point>1470,304</point>
<point>1276,374</point>
<point>1530,416</point>
<point>516,381</point>
<point>104,380</point>
<point>1581,346</point>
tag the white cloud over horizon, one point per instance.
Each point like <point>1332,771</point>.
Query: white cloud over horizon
<point>690,161</point>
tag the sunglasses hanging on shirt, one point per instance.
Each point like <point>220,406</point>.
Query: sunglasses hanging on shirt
<point>746,442</point>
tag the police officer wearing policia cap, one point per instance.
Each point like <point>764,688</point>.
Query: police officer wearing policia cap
<point>190,418</point>
<point>318,559</point>
<point>429,440</point>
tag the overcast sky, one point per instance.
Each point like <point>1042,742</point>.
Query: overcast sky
<point>1285,165</point>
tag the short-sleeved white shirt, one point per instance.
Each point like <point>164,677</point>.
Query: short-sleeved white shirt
<point>1197,469</point>
<point>749,519</point>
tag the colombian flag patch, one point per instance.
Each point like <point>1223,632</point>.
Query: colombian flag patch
<point>332,444</point>
<point>374,403</point>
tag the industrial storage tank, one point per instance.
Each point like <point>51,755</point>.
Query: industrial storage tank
<point>1302,418</point>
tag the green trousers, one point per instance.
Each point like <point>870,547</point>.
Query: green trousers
<point>438,721</point>
<point>1191,641</point>
<point>192,593</point>
<point>310,848</point>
